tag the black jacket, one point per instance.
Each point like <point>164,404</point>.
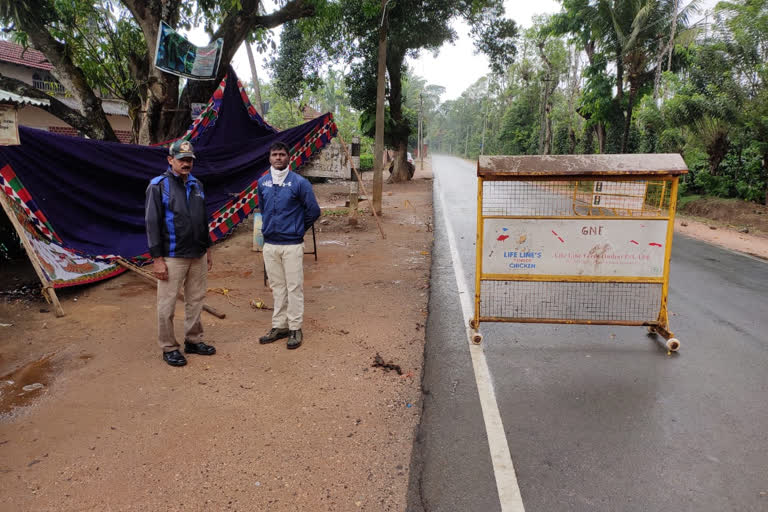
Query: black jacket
<point>176,219</point>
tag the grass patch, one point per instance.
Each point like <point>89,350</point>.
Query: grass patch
<point>342,212</point>
<point>682,201</point>
<point>335,212</point>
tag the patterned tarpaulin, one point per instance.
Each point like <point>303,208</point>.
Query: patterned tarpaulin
<point>84,200</point>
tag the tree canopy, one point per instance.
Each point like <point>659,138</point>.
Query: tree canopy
<point>108,46</point>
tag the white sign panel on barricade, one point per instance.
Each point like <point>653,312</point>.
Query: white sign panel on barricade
<point>574,247</point>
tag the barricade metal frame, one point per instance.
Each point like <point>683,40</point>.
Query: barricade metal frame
<point>531,198</point>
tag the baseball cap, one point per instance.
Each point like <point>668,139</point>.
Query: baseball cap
<point>181,149</point>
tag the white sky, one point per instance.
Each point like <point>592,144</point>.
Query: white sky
<point>457,67</point>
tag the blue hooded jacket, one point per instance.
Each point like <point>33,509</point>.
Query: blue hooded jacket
<point>288,210</point>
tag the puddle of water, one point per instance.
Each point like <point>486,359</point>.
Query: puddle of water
<point>12,393</point>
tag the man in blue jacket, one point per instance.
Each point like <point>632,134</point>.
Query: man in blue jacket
<point>288,209</point>
<point>180,245</point>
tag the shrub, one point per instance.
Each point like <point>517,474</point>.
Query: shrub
<point>366,162</point>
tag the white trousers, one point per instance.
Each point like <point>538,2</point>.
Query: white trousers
<point>285,271</point>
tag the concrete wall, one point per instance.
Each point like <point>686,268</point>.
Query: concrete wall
<point>331,162</point>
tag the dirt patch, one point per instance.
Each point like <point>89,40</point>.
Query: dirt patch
<point>732,213</point>
<point>255,427</point>
<point>730,223</point>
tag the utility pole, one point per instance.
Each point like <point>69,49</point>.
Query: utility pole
<point>378,152</point>
<point>255,79</point>
<point>485,122</point>
<point>421,131</point>
<point>466,145</point>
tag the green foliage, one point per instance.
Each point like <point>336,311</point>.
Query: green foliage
<point>366,162</point>
<point>295,67</point>
<point>412,26</point>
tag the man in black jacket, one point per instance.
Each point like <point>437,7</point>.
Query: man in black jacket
<point>179,243</point>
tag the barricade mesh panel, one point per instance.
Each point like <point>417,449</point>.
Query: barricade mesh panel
<point>639,198</point>
<point>624,302</point>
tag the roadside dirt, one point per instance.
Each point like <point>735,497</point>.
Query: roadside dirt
<point>104,424</point>
<point>730,223</point>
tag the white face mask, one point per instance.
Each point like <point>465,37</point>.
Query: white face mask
<point>278,176</point>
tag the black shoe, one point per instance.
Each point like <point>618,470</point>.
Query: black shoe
<point>174,358</point>
<point>295,340</point>
<point>199,348</point>
<point>274,334</point>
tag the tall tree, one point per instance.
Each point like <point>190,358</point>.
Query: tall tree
<point>413,26</point>
<point>164,110</point>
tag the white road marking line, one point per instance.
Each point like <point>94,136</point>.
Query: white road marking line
<point>503,469</point>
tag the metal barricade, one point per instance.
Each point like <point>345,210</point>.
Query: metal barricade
<point>576,239</point>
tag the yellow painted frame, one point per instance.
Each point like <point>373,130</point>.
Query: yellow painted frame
<point>661,325</point>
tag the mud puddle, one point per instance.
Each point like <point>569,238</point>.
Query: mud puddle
<point>23,385</point>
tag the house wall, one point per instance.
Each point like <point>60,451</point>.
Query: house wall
<point>35,117</point>
<point>19,72</point>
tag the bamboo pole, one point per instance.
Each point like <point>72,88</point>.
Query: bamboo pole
<point>149,276</point>
<point>48,292</point>
<point>360,180</point>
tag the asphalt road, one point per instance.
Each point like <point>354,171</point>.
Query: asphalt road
<point>598,418</point>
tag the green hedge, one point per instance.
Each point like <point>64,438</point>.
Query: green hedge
<point>366,162</point>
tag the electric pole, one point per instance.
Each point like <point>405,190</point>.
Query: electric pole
<point>466,145</point>
<point>421,131</point>
<point>378,152</point>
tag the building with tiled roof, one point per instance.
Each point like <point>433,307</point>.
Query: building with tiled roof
<point>27,57</point>
<point>30,66</point>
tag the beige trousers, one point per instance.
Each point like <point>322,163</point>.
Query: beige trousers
<point>285,271</point>
<point>191,273</point>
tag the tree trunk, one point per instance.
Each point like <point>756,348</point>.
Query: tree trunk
<point>619,78</point>
<point>765,174</point>
<point>400,171</point>
<point>64,69</point>
<point>254,80</point>
<point>571,141</point>
<point>717,149</point>
<point>671,44</point>
<point>630,107</point>
<point>600,132</point>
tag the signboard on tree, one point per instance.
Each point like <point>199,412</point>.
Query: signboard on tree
<point>176,55</point>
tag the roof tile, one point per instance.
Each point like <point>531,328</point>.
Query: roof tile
<point>17,54</point>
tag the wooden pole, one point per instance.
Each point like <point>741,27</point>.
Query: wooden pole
<point>147,275</point>
<point>48,293</point>
<point>360,180</point>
